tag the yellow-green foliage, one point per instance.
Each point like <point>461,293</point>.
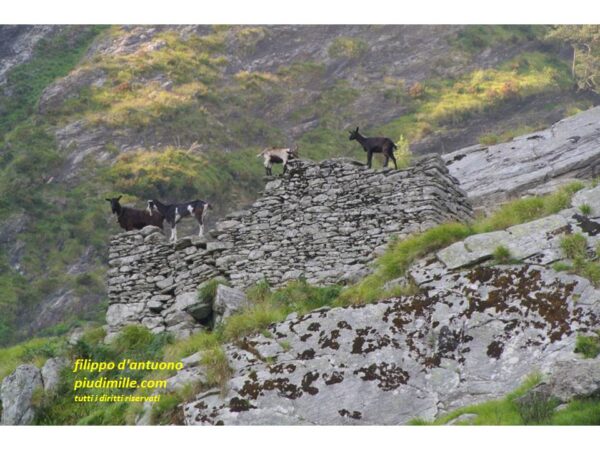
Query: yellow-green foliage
<point>528,209</point>
<point>346,47</point>
<point>35,351</point>
<point>451,102</point>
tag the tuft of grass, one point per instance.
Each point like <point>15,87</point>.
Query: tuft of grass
<point>208,291</point>
<point>585,209</point>
<point>528,209</point>
<point>166,411</point>
<point>574,246</point>
<point>346,47</point>
<point>502,255</point>
<point>588,346</point>
<point>561,266</point>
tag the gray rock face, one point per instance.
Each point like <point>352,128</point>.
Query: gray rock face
<point>16,394</point>
<point>324,221</point>
<point>474,335</point>
<point>228,301</point>
<point>567,150</point>
<point>51,372</point>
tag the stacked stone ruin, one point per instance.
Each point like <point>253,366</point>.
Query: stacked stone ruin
<point>325,222</point>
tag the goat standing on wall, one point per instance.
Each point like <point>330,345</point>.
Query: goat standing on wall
<point>134,219</point>
<point>277,156</point>
<point>375,145</point>
<point>174,213</point>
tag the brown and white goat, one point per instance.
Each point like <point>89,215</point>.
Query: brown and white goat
<point>277,156</point>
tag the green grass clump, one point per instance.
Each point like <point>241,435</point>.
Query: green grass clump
<point>528,209</point>
<point>208,291</point>
<point>588,346</point>
<point>35,351</point>
<point>502,255</point>
<point>346,47</point>
<point>561,266</point>
<point>585,209</point>
<point>166,411</point>
<point>574,246</point>
<point>495,412</point>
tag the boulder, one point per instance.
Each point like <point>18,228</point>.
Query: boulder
<point>17,393</point>
<point>191,303</point>
<point>51,372</point>
<point>227,302</point>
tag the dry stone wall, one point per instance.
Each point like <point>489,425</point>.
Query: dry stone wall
<point>322,221</point>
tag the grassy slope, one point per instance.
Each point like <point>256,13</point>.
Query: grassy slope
<point>241,112</point>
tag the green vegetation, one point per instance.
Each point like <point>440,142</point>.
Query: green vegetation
<point>575,248</point>
<point>346,47</point>
<point>588,346</point>
<point>440,103</point>
<point>134,342</point>
<point>585,209</point>
<point>35,351</point>
<point>538,410</point>
<point>53,57</point>
<point>474,38</point>
<point>508,135</point>
<point>502,255</point>
<point>584,40</point>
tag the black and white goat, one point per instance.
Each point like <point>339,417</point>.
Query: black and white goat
<point>277,156</point>
<point>174,213</point>
<point>375,145</point>
<point>134,219</point>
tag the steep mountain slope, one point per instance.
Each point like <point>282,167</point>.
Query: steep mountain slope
<point>180,111</point>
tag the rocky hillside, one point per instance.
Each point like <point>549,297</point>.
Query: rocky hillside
<point>179,112</point>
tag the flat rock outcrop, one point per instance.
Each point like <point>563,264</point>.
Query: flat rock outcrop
<point>536,162</point>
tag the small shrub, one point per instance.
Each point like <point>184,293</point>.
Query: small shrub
<point>538,409</point>
<point>588,346</point>
<point>502,255</point>
<point>585,209</point>
<point>489,139</point>
<point>574,247</point>
<point>218,371</point>
<point>345,47</point>
<point>416,90</point>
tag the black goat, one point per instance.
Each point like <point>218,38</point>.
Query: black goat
<point>376,145</point>
<point>174,213</point>
<point>134,219</point>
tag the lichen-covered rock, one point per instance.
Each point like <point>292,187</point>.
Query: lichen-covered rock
<point>17,392</point>
<point>473,336</point>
